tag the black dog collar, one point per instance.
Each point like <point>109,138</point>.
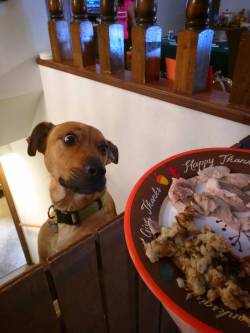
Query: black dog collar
<point>73,218</point>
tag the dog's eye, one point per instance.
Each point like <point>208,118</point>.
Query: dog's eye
<point>70,139</point>
<point>104,149</point>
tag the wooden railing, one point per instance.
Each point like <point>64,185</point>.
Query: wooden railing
<point>77,48</point>
<point>91,287</point>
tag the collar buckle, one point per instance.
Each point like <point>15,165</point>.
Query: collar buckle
<point>75,218</point>
<point>52,221</point>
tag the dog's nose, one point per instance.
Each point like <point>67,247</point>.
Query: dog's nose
<point>94,168</point>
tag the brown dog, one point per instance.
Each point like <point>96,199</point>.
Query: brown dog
<point>75,155</point>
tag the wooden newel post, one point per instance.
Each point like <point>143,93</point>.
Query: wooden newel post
<point>82,35</point>
<point>58,32</point>
<point>240,94</point>
<point>110,37</point>
<point>146,43</point>
<point>194,49</point>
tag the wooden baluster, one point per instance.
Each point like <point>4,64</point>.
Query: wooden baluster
<point>110,37</point>
<point>58,32</point>
<point>108,11</point>
<point>240,94</point>
<point>214,9</point>
<point>197,14</point>
<point>82,35</point>
<point>194,49</point>
<point>146,43</point>
<point>234,38</point>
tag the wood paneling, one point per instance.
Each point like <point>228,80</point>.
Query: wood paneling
<point>166,322</point>
<point>185,61</point>
<point>103,48</point>
<point>240,94</point>
<point>115,275</point>
<point>138,63</point>
<point>192,61</point>
<point>81,57</point>
<point>76,44</point>
<point>53,41</point>
<point>26,304</point>
<point>97,288</point>
<point>76,280</point>
<point>233,36</point>
<point>147,303</point>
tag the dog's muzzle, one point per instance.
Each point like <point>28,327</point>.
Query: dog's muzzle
<point>90,179</point>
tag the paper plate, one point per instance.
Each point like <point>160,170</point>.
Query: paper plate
<point>146,202</point>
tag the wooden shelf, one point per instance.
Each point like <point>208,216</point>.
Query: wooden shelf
<point>215,102</point>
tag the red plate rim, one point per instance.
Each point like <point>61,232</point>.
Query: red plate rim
<point>149,281</point>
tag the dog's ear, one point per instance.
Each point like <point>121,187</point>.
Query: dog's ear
<point>38,138</point>
<point>113,154</point>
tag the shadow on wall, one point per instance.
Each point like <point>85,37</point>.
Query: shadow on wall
<point>23,34</point>
<point>21,79</point>
<point>17,116</point>
<point>233,5</point>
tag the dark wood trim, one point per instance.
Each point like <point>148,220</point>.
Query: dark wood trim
<point>241,81</point>
<point>215,102</point>
<point>14,215</point>
<point>26,304</point>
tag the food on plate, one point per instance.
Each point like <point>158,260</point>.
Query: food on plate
<point>209,266</point>
<point>225,195</point>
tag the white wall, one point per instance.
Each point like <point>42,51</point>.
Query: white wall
<point>234,5</point>
<point>145,130</point>
<point>171,15</point>
<point>23,34</point>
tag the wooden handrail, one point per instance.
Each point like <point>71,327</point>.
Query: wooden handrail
<point>192,60</point>
<point>194,50</point>
<point>83,44</point>
<point>146,42</point>
<point>215,102</point>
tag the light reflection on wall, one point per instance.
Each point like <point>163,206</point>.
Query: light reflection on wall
<point>153,42</point>
<point>22,182</point>
<point>24,195</point>
<point>116,35</point>
<point>17,175</point>
<point>63,36</point>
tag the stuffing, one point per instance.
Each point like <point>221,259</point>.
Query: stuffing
<point>206,260</point>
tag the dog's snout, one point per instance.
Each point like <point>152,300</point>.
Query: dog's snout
<point>88,179</point>
<point>94,168</point>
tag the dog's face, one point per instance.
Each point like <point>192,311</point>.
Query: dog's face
<point>75,155</point>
